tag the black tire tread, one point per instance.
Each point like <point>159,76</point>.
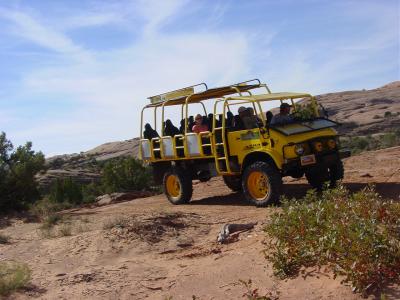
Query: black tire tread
<point>233,182</point>
<point>185,183</point>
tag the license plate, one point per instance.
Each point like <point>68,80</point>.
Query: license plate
<point>307,160</point>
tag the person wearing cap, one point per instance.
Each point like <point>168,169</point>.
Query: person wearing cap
<point>198,124</point>
<point>283,117</point>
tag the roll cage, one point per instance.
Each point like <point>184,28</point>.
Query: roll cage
<point>186,96</point>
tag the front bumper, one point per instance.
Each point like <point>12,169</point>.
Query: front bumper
<point>323,159</point>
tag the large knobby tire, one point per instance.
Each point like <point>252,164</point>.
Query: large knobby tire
<point>317,176</point>
<point>177,186</point>
<point>336,172</point>
<point>261,184</point>
<point>233,182</point>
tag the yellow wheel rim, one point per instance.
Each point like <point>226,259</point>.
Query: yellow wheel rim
<point>258,185</point>
<point>173,186</point>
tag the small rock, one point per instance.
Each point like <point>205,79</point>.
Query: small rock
<point>366,175</point>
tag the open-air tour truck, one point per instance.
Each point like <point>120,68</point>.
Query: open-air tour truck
<point>253,160</point>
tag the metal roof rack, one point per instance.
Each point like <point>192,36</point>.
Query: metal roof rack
<point>179,96</point>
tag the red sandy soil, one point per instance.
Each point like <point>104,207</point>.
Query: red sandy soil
<point>164,251</point>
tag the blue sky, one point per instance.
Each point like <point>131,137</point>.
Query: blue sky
<point>75,74</point>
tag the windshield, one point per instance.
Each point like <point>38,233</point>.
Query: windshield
<point>304,126</point>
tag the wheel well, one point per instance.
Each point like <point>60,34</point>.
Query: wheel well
<point>159,169</point>
<point>257,156</point>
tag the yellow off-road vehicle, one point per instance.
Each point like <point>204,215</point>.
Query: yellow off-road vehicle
<point>250,151</point>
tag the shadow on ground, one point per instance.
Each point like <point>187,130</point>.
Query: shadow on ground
<point>388,190</point>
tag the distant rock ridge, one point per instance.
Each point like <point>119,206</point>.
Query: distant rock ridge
<point>360,112</point>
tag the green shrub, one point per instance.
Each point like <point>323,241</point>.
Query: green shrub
<point>304,112</point>
<point>18,187</point>
<point>66,190</point>
<point>387,114</point>
<point>359,144</point>
<point>125,174</point>
<point>13,276</point>
<point>356,235</point>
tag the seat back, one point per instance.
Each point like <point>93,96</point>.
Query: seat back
<point>167,147</point>
<point>145,149</point>
<point>193,144</point>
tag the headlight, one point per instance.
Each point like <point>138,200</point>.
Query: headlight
<point>299,149</point>
<point>318,146</point>
<point>331,144</point>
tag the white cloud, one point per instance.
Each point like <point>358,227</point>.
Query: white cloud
<point>111,87</point>
<point>28,28</point>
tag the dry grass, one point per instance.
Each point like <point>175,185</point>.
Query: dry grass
<point>13,276</point>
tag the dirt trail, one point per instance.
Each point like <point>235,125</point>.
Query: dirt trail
<point>156,250</point>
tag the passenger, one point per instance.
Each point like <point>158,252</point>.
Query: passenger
<point>190,123</point>
<point>251,120</point>
<point>170,129</point>
<point>210,121</point>
<point>199,126</point>
<point>283,117</point>
<point>269,117</point>
<point>229,119</point>
<point>149,133</point>
<point>238,119</point>
<point>182,127</point>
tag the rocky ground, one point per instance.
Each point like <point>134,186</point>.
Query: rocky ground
<point>149,249</point>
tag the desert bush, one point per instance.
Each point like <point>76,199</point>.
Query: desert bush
<point>13,276</point>
<point>115,222</point>
<point>125,174</point>
<point>304,112</point>
<point>66,190</point>
<point>387,114</point>
<point>65,230</point>
<point>359,144</point>
<point>18,167</point>
<point>356,235</point>
<point>45,208</point>
<point>50,221</point>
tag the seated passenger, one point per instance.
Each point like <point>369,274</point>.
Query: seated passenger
<point>170,129</point>
<point>190,123</point>
<point>269,117</point>
<point>238,119</point>
<point>250,120</point>
<point>149,133</point>
<point>229,119</point>
<point>283,117</point>
<point>182,127</point>
<point>199,126</point>
<point>210,121</point>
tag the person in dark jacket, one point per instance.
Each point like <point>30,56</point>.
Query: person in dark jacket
<point>210,121</point>
<point>190,123</point>
<point>182,127</point>
<point>170,129</point>
<point>149,133</point>
<point>229,119</point>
